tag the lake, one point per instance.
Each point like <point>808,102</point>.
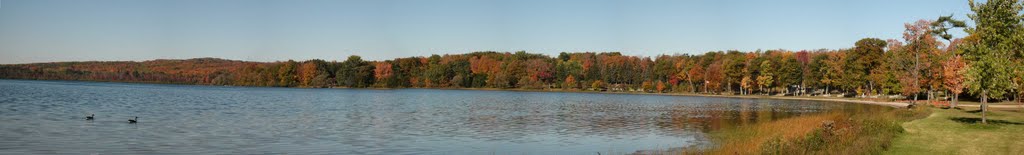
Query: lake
<point>47,117</point>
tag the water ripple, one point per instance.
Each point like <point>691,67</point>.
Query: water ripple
<point>47,117</point>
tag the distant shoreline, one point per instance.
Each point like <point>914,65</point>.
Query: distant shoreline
<point>804,98</point>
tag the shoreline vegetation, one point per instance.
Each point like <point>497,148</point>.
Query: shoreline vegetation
<point>827,133</point>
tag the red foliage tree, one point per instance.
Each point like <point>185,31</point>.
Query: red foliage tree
<point>382,71</point>
<point>953,71</point>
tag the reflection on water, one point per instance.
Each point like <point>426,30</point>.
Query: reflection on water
<point>38,116</point>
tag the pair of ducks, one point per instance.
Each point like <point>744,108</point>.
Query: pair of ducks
<point>93,116</point>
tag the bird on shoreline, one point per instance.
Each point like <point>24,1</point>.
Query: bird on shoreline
<point>90,117</point>
<point>133,121</point>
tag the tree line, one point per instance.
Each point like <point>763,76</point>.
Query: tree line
<point>925,62</point>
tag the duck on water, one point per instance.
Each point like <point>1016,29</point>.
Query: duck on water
<point>132,121</point>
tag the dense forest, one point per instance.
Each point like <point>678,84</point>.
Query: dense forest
<point>925,62</point>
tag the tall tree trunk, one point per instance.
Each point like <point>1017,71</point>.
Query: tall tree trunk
<point>953,103</point>
<point>984,106</point>
<point>1018,98</point>
<point>705,86</point>
<point>729,85</point>
<point>914,102</point>
<point>917,77</point>
<point>692,90</point>
<point>934,94</point>
<point>931,95</point>
<point>871,88</point>
<point>760,89</point>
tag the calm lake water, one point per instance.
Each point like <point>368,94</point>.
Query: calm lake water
<point>44,117</point>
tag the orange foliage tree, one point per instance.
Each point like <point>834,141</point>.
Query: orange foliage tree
<point>953,71</point>
<point>382,71</point>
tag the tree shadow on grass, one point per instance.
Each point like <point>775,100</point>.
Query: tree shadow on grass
<point>968,120</point>
<point>974,111</point>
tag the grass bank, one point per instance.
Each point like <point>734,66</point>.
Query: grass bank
<point>828,133</point>
<point>950,131</point>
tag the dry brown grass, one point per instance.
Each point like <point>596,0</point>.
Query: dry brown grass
<point>828,133</point>
<point>749,139</point>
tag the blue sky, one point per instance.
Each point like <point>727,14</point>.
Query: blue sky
<point>258,30</point>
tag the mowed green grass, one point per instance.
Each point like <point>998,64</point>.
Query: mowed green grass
<point>949,131</point>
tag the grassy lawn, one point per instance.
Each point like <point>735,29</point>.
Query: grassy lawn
<point>948,131</point>
<point>990,103</point>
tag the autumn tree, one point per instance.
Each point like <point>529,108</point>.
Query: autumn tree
<point>660,87</point>
<point>865,55</point>
<point>832,70</point>
<point>354,72</point>
<point>597,85</point>
<point>804,57</point>
<point>814,71</point>
<point>751,70</point>
<point>733,65</point>
<point>715,77</point>
<point>484,67</point>
<point>436,72</point>
<point>313,73</point>
<point>664,68</point>
<point>745,85</point>
<point>789,73</point>
<point>538,72</point>
<point>916,58</point>
<point>566,69</point>
<point>953,71</point>
<point>647,86</point>
<point>682,67</point>
<point>766,78</point>
<point>382,71</point>
<point>695,74</point>
<point>890,75</point>
<point>286,74</point>
<point>569,83</point>
<point>405,72</point>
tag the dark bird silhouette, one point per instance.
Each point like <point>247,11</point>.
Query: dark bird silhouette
<point>133,121</point>
<point>90,117</point>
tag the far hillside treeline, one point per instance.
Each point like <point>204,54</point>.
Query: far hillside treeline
<point>926,60</point>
